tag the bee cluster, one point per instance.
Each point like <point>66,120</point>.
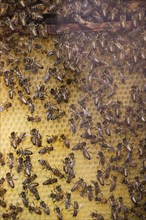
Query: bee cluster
<point>79,86</point>
<point>34,15</point>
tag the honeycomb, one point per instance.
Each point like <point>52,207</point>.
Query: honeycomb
<point>15,119</point>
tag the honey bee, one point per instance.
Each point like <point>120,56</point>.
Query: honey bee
<point>96,215</point>
<point>11,160</point>
<point>21,137</point>
<point>77,185</point>
<point>36,137</point>
<point>75,209</point>
<point>36,210</point>
<point>34,191</point>
<point>10,180</point>
<point>52,139</point>
<point>65,140</point>
<point>104,8</point>
<point>113,183</point>
<point>100,177</point>
<point>113,14</point>
<point>40,92</point>
<point>102,158</point>
<point>89,193</point>
<point>45,207</point>
<point>2,180</point>
<point>3,203</point>
<point>19,164</point>
<point>45,164</point>
<point>57,173</point>
<point>29,179</point>
<point>58,213</point>
<point>46,149</point>
<point>2,162</point>
<point>50,181</point>
<point>6,106</point>
<point>68,200</point>
<point>123,20</point>
<point>27,166</point>
<point>2,192</point>
<point>24,152</point>
<point>10,24</point>
<point>4,8</point>
<point>33,29</point>
<point>22,98</point>
<point>23,16</point>
<point>15,208</point>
